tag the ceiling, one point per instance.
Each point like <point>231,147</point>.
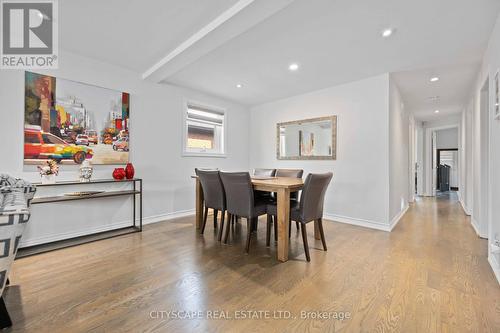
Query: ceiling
<point>448,95</point>
<point>132,34</point>
<point>333,41</point>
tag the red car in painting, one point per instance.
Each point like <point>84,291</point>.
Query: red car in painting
<point>121,144</point>
<point>42,145</point>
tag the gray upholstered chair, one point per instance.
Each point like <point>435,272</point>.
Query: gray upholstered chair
<point>241,201</point>
<point>290,173</point>
<point>264,172</point>
<point>15,197</point>
<point>310,206</point>
<point>262,195</point>
<point>294,196</point>
<point>214,197</point>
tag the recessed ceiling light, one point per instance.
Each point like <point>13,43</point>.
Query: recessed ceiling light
<point>437,111</point>
<point>239,85</point>
<point>293,67</point>
<point>434,79</point>
<point>387,32</point>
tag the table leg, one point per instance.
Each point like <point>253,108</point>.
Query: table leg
<point>316,230</point>
<point>283,223</point>
<point>199,204</point>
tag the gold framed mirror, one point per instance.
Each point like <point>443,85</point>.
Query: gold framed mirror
<point>307,139</point>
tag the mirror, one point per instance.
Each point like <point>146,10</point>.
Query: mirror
<point>308,139</point>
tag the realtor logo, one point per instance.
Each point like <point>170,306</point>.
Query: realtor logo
<point>29,34</point>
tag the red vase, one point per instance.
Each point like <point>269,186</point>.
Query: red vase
<point>119,173</point>
<point>129,171</point>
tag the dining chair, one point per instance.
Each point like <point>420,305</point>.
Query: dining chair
<point>289,173</point>
<point>262,194</point>
<point>264,172</point>
<point>214,197</point>
<point>310,206</point>
<point>241,201</point>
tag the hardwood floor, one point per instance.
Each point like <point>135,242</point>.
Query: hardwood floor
<point>429,275</point>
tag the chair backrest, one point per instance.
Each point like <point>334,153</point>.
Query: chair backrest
<point>291,173</point>
<point>264,172</point>
<point>15,196</point>
<point>313,196</point>
<point>213,191</point>
<point>239,193</point>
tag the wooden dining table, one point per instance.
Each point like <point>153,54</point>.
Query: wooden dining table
<point>283,186</point>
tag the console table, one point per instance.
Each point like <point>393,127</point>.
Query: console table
<point>136,220</point>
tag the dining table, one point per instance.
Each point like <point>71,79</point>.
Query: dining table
<point>283,186</point>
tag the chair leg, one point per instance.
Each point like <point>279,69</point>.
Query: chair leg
<point>249,234</point>
<point>297,225</point>
<point>228,227</point>
<point>221,229</point>
<point>304,239</point>
<point>216,213</point>
<point>268,234</point>
<point>322,233</point>
<point>5,320</point>
<point>290,228</point>
<point>204,221</point>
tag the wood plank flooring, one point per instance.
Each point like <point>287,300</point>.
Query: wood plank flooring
<point>429,275</point>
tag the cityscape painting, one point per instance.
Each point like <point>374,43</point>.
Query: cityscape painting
<point>70,122</point>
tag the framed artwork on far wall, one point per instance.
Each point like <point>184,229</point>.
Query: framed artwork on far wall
<point>70,122</point>
<point>497,98</point>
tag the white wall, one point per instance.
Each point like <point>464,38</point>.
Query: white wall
<point>359,192</point>
<point>398,153</point>
<point>466,160</point>
<point>420,143</point>
<point>156,136</point>
<point>487,195</point>
<point>447,138</point>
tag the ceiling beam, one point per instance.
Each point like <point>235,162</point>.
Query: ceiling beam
<point>216,33</point>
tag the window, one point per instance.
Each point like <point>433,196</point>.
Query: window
<point>204,131</point>
<point>51,139</point>
<point>31,138</point>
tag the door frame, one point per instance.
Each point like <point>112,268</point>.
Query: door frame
<point>430,157</point>
<point>438,161</point>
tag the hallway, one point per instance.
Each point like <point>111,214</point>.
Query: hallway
<point>453,281</point>
<point>429,275</point>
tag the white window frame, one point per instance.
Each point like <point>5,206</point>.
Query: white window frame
<point>203,152</point>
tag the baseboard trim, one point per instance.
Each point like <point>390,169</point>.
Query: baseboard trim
<point>462,203</point>
<point>494,266</point>
<point>167,216</point>
<point>473,222</point>
<point>464,207</point>
<point>358,222</point>
<point>73,234</point>
<point>398,217</point>
<point>475,225</point>
<point>108,227</point>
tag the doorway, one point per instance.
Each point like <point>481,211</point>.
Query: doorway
<point>480,169</point>
<point>447,169</point>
